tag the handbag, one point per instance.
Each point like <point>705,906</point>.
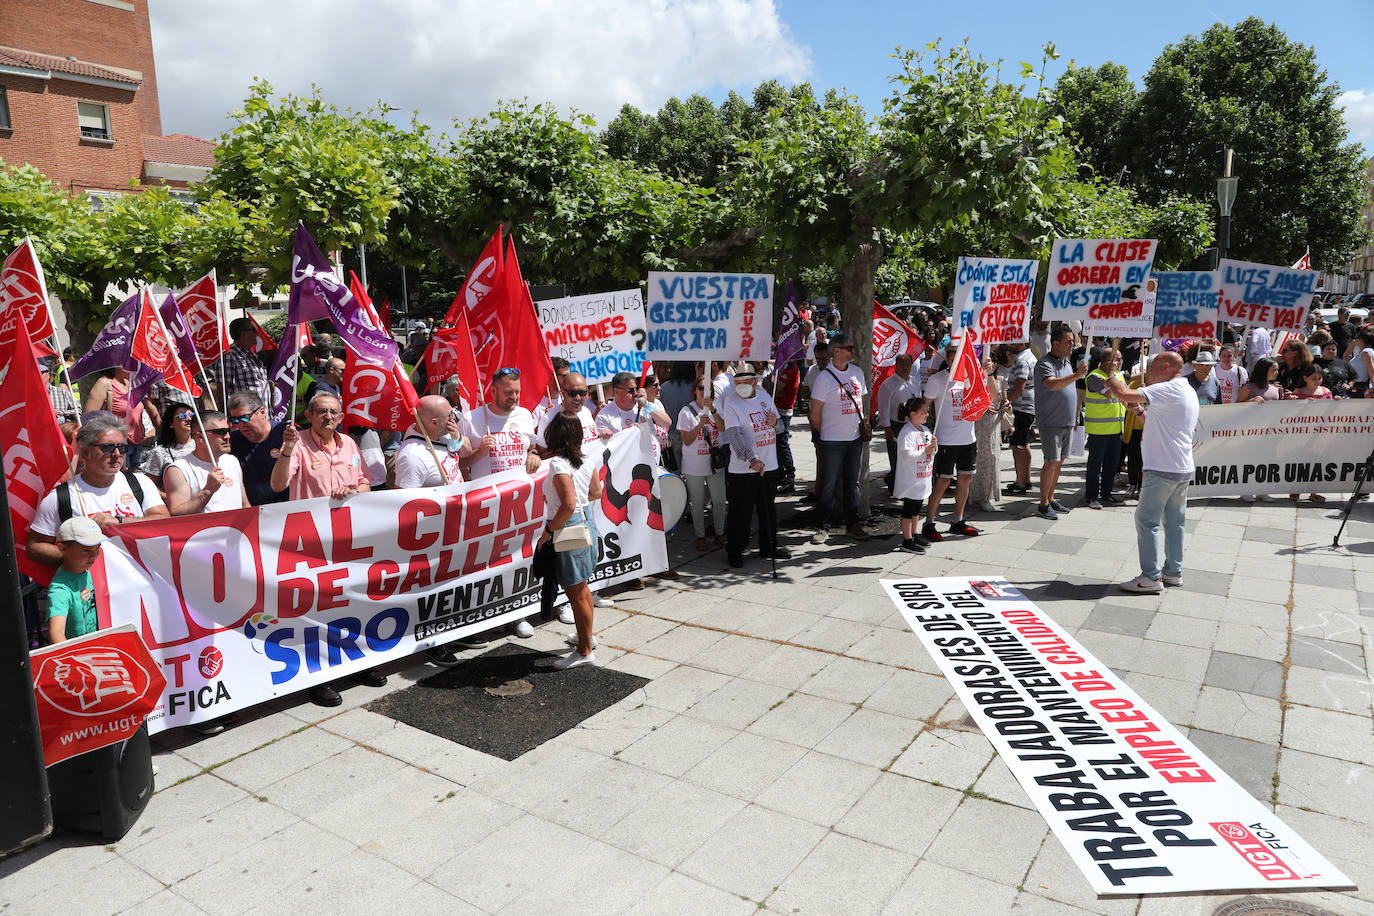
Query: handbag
<point>720,454</point>
<point>573,537</point>
<point>865,427</point>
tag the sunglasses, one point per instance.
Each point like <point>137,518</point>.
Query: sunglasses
<point>507,373</point>
<point>111,448</point>
<point>222,431</point>
<point>699,388</point>
<point>244,418</point>
<point>183,415</point>
<point>576,392</point>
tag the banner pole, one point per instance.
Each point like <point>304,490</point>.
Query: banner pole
<point>432,453</point>
<point>181,368</point>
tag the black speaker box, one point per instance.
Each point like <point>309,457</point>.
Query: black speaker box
<point>103,791</point>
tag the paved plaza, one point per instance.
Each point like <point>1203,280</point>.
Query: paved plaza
<point>795,750</point>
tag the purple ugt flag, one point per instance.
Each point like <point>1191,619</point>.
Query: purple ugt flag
<point>789,336</point>
<point>111,347</point>
<point>317,293</point>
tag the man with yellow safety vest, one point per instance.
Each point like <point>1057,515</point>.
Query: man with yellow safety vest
<point>1103,414</point>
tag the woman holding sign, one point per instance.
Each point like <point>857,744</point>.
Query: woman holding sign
<point>699,425</point>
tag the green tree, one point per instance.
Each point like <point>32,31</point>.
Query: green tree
<point>1098,105</point>
<point>1103,210</point>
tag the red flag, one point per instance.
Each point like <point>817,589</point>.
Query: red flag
<point>891,337</point>
<point>522,345</point>
<point>450,354</point>
<point>199,306</point>
<point>377,398</point>
<point>22,286</point>
<point>264,341</point>
<point>153,347</point>
<point>975,400</point>
<point>1304,262</point>
<point>481,281</point>
<point>386,315</point>
<point>35,455</point>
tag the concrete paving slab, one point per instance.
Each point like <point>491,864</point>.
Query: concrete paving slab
<point>753,852</point>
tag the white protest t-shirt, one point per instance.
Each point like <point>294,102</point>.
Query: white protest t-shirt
<point>1231,381</point>
<point>513,433</point>
<point>949,402</point>
<point>660,432</point>
<point>892,393</point>
<point>696,455</point>
<point>1166,446</point>
<point>611,419</point>
<point>197,473</point>
<point>723,383</point>
<point>581,477</point>
<point>912,479</point>
<point>415,463</point>
<point>589,433</point>
<point>751,415</point>
<point>116,499</point>
<point>840,415</point>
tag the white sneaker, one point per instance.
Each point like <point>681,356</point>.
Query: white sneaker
<point>1173,581</point>
<point>575,658</point>
<point>524,630</point>
<point>605,602</point>
<point>1248,498</point>
<point>820,537</point>
<point>1266,498</point>
<point>1142,585</point>
<point>571,640</point>
<point>565,615</point>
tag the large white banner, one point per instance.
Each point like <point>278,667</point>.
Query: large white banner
<point>242,606</point>
<point>599,335</point>
<point>693,315</point>
<point>1282,447</point>
<point>993,296</point>
<point>1139,809</point>
<point>1098,279</point>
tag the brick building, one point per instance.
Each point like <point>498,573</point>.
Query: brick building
<point>78,98</point>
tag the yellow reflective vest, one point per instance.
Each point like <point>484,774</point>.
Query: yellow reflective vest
<point>1102,413</point>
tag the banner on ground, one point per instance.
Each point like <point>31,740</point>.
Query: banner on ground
<point>709,316</point>
<point>1185,304</point>
<point>1139,809</point>
<point>1270,297</point>
<point>993,296</point>
<point>1098,280</point>
<point>1282,447</point>
<point>599,335</point>
<point>93,690</point>
<point>241,606</point>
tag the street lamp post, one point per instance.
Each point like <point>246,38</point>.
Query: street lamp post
<point>1226,197</point>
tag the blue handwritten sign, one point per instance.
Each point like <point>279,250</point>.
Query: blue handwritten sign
<point>1098,279</point>
<point>993,296</point>
<point>1264,295</point>
<point>709,316</point>
<point>1186,304</point>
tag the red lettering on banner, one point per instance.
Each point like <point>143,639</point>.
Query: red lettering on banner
<point>417,575</point>
<point>408,534</point>
<point>1124,250</point>
<point>501,547</point>
<point>300,543</point>
<point>331,589</point>
<point>382,577</point>
<point>1261,857</point>
<point>453,519</point>
<point>1095,275</point>
<point>447,570</point>
<point>513,510</point>
<point>476,521</point>
<point>1117,310</point>
<point>341,521</point>
<point>294,596</point>
<point>569,334</point>
<point>176,661</point>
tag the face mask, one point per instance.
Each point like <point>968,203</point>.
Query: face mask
<point>744,391</point>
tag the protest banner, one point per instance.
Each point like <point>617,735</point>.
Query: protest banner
<point>891,338</point>
<point>93,690</point>
<point>205,322</point>
<point>1264,295</point>
<point>599,334</point>
<point>709,316</point>
<point>1139,324</point>
<point>1098,279</point>
<point>1282,447</point>
<point>241,606</point>
<point>1138,808</point>
<point>993,295</point>
<point>1185,304</point>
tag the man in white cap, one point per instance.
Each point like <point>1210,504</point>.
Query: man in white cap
<point>752,426</point>
<point>1203,380</point>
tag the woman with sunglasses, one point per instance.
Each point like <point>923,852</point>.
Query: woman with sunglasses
<point>700,427</point>
<point>173,442</point>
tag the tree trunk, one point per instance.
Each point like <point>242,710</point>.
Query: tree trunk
<point>856,295</point>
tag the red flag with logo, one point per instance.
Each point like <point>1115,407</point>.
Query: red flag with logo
<point>891,337</point>
<point>22,286</point>
<point>976,399</point>
<point>382,399</point>
<point>35,453</point>
<point>153,347</point>
<point>450,354</point>
<point>263,342</point>
<point>482,280</point>
<point>522,345</point>
<point>93,690</point>
<point>199,306</point>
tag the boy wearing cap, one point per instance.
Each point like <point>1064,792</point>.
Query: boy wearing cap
<point>71,596</point>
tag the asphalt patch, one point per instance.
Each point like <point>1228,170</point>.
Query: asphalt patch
<point>483,703</point>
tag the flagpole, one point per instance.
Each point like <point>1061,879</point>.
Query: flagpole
<point>181,368</point>
<point>419,424</point>
<point>52,323</point>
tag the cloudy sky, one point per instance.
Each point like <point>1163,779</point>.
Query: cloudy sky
<point>452,59</point>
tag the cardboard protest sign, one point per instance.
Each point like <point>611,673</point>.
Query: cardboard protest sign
<point>709,316</point>
<point>993,295</point>
<point>1185,304</point>
<point>1139,809</point>
<point>1270,297</point>
<point>599,335</point>
<point>1098,279</point>
<point>1282,447</point>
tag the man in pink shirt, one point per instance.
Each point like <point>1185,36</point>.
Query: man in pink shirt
<point>320,462</point>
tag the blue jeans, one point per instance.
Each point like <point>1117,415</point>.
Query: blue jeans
<point>1104,459</point>
<point>787,471</point>
<point>840,469</point>
<point>1165,502</point>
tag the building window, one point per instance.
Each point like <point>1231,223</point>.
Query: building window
<point>95,120</point>
<point>4,110</point>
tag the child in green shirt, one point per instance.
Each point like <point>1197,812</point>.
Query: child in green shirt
<point>71,596</point>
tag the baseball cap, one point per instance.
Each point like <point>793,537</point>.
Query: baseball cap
<point>80,530</point>
<point>1205,358</point>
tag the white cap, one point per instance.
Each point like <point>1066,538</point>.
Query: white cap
<point>80,530</point>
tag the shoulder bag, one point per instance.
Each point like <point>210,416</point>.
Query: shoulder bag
<point>573,537</point>
<point>865,427</point>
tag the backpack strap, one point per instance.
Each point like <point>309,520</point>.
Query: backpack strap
<point>64,502</point>
<point>135,486</point>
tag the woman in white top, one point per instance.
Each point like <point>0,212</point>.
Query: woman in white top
<point>571,485</point>
<point>652,387</point>
<point>173,442</point>
<point>700,427</point>
<point>1362,364</point>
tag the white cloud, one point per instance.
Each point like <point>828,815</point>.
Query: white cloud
<point>1359,115</point>
<point>456,58</point>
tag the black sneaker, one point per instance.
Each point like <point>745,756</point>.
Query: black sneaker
<point>1045,511</point>
<point>1016,489</point>
<point>964,529</point>
<point>443,656</point>
<point>922,541</point>
<point>910,546</point>
<point>1059,507</point>
<point>930,534</point>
